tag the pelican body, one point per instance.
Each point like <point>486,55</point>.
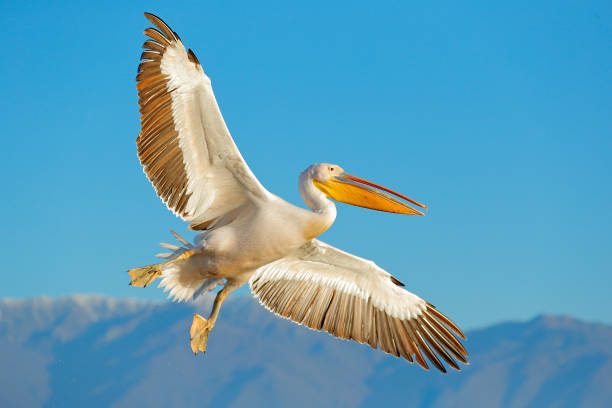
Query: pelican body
<point>248,234</point>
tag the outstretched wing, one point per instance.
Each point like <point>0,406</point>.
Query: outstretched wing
<point>328,289</point>
<point>184,145</point>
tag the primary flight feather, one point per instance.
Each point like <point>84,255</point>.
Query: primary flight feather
<point>248,234</point>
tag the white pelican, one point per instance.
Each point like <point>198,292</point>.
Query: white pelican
<point>250,234</point>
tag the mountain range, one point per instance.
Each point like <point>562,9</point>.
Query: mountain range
<point>95,351</point>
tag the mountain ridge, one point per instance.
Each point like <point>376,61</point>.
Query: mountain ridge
<point>118,352</point>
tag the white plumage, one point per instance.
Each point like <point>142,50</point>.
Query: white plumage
<point>250,234</point>
<point>321,264</point>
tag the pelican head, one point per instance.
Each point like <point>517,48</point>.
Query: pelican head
<point>341,186</point>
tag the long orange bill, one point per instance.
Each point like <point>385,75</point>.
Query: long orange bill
<point>363,193</point>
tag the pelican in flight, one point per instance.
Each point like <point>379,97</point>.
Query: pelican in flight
<point>248,234</point>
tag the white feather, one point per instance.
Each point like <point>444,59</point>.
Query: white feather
<point>323,265</point>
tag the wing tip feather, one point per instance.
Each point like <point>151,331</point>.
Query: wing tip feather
<point>162,26</point>
<point>431,308</point>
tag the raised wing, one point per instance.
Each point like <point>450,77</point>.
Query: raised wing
<point>184,145</point>
<point>325,288</point>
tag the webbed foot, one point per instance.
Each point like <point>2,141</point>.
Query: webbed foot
<point>144,275</point>
<point>200,329</point>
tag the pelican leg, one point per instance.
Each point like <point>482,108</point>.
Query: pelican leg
<point>201,327</point>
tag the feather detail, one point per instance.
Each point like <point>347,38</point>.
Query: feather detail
<point>327,289</point>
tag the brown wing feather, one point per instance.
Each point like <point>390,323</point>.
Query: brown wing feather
<point>347,316</point>
<point>158,143</point>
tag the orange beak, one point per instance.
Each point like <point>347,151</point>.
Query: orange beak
<point>353,190</point>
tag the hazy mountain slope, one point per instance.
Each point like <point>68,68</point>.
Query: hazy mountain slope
<point>546,362</point>
<point>107,352</point>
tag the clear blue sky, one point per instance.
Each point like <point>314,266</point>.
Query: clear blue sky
<point>497,116</point>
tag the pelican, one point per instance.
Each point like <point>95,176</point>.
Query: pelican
<point>248,234</point>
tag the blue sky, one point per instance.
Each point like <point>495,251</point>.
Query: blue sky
<point>497,116</point>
